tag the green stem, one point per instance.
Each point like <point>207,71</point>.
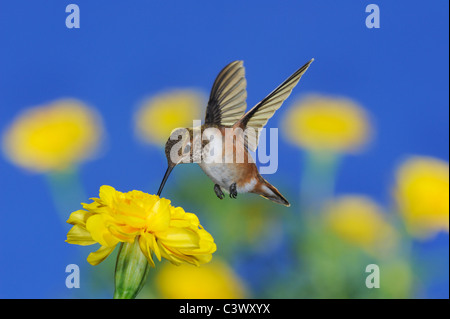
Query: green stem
<point>316,187</point>
<point>318,182</point>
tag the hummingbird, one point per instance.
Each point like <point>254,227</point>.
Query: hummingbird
<point>217,154</point>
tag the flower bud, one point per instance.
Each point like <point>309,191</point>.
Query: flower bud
<point>131,271</point>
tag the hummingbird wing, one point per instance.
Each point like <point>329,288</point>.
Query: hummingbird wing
<point>258,116</point>
<point>227,101</point>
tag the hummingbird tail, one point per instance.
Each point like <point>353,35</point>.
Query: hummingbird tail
<point>270,192</point>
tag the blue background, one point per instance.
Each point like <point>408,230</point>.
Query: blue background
<point>128,50</point>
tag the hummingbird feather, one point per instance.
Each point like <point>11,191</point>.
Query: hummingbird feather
<point>258,116</point>
<point>227,101</point>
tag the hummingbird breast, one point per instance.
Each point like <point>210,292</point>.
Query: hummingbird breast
<point>226,161</point>
<point>226,174</point>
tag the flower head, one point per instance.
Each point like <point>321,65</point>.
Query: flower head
<point>162,113</point>
<point>160,228</point>
<point>327,124</point>
<point>360,221</point>
<point>422,195</point>
<point>213,281</point>
<point>53,136</point>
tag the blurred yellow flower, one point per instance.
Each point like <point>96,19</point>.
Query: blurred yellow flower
<point>422,195</point>
<point>53,137</point>
<point>328,124</point>
<point>159,115</point>
<point>213,281</point>
<point>361,222</point>
<point>165,230</point>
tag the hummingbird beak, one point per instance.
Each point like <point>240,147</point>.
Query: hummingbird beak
<point>166,176</point>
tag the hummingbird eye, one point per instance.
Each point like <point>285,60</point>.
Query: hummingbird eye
<point>187,148</point>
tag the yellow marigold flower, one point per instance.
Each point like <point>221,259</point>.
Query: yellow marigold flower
<point>361,222</point>
<point>328,124</point>
<point>53,137</point>
<point>159,115</point>
<point>422,195</point>
<point>213,281</point>
<point>159,227</point>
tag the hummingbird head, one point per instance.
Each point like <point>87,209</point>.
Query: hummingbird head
<point>178,150</point>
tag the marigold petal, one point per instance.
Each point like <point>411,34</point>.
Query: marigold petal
<point>155,248</point>
<point>206,241</point>
<point>143,243</point>
<point>159,218</point>
<point>78,235</point>
<point>179,238</point>
<point>185,220</point>
<point>107,194</point>
<point>98,256</point>
<point>79,217</point>
<point>173,256</point>
<point>96,207</point>
<point>193,256</point>
<point>132,221</point>
<point>121,235</point>
<point>203,258</point>
<point>96,225</point>
<point>178,213</point>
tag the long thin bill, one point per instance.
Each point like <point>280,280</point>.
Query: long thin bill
<point>166,176</point>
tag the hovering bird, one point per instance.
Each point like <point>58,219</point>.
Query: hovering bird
<point>237,132</point>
